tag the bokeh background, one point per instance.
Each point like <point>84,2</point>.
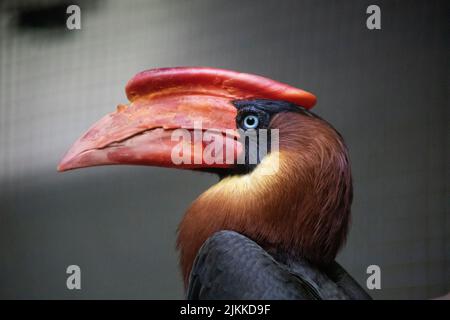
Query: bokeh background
<point>386,91</point>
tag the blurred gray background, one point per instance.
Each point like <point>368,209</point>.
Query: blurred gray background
<point>386,91</point>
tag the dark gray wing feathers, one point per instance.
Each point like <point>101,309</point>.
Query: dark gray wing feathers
<point>231,266</point>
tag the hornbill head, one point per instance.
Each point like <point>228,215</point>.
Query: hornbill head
<point>294,198</point>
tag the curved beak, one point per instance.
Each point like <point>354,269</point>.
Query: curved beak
<point>167,131</point>
<point>177,117</point>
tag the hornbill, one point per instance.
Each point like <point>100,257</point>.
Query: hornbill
<point>252,235</point>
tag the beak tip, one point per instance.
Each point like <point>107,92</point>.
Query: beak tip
<point>62,166</point>
<point>66,163</point>
<point>71,159</point>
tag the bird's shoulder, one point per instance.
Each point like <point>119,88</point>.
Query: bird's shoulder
<point>231,266</point>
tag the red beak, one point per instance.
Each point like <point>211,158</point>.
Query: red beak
<point>164,100</point>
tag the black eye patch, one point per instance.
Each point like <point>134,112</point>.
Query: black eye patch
<point>267,107</point>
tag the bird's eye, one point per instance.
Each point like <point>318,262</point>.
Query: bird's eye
<point>251,122</point>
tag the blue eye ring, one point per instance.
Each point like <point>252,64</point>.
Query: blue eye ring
<point>250,121</point>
